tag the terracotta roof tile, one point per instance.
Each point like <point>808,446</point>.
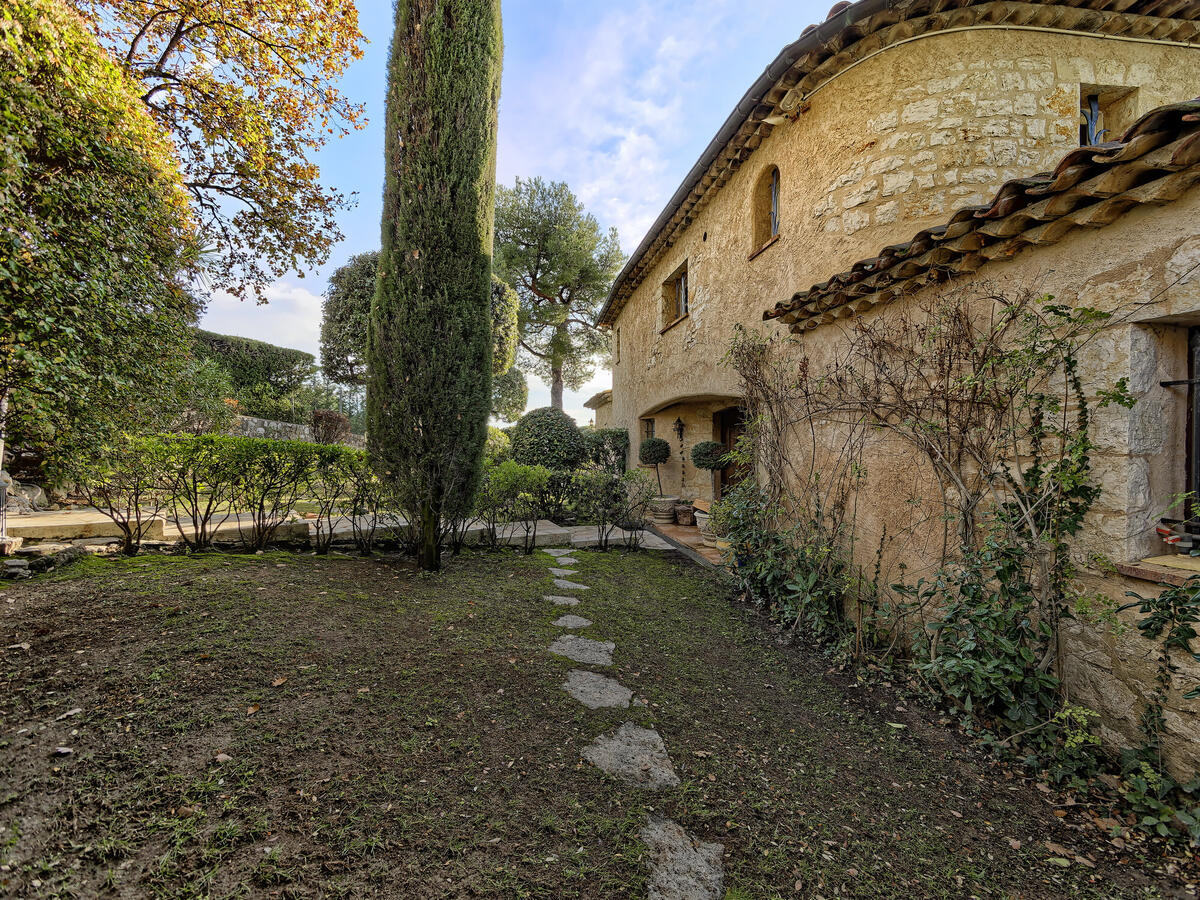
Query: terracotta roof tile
<point>1155,161</point>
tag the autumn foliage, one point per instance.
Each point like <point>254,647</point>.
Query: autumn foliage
<point>248,92</point>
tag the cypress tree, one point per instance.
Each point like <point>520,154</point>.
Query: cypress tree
<point>430,347</point>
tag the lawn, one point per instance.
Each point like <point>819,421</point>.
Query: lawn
<point>295,726</point>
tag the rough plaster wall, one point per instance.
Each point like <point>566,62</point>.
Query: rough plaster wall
<point>1145,268</point>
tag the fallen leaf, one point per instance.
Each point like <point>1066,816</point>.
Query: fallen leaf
<point>278,681</point>
<point>223,758</point>
<point>63,751</point>
<point>1059,861</point>
<point>1014,843</point>
<point>1058,849</point>
<point>70,712</point>
<point>896,725</point>
<point>252,709</point>
<point>364,690</point>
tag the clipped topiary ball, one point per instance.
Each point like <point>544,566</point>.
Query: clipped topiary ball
<point>548,437</point>
<point>709,455</point>
<point>654,451</point>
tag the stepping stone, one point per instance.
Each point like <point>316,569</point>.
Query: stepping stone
<point>561,601</point>
<point>572,621</point>
<point>584,650</point>
<point>594,690</point>
<point>635,755</point>
<point>570,585</point>
<point>682,867</point>
<point>567,561</point>
<point>558,551</point>
<point>562,573</point>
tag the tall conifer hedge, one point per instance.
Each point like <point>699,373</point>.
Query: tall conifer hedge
<point>430,348</point>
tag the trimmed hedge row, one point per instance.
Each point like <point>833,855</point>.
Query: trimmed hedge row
<point>198,481</point>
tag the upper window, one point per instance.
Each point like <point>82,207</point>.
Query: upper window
<point>766,208</point>
<point>1105,112</point>
<point>675,296</point>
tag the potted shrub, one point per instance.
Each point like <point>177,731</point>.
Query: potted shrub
<point>655,452</point>
<point>710,455</point>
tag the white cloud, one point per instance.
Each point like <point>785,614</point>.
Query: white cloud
<point>291,317</point>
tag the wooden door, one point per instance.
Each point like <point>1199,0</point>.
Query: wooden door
<point>730,426</point>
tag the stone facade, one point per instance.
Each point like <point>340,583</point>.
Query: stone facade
<point>890,146</point>
<point>897,143</point>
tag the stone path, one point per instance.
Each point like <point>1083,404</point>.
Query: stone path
<point>572,622</point>
<point>570,585</point>
<point>584,650</point>
<point>681,866</point>
<point>594,690</point>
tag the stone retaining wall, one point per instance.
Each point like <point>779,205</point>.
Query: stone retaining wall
<point>251,426</point>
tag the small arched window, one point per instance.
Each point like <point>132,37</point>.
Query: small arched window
<point>766,208</point>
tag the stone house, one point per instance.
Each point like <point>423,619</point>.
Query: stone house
<point>893,153</point>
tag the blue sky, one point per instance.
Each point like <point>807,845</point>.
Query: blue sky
<point>617,99</point>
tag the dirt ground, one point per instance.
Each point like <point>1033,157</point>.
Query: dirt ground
<point>294,726</point>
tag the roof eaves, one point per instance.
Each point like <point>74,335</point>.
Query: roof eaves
<point>1155,161</point>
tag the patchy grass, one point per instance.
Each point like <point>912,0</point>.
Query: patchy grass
<point>394,734</point>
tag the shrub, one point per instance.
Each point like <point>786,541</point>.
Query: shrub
<point>201,482</point>
<point>498,447</point>
<point>256,366</point>
<point>710,455</point>
<point>654,452</point>
<point>794,572</point>
<point>328,481</point>
<point>982,650</point>
<point>367,496</point>
<point>548,437</point>
<point>329,426</point>
<point>271,477</point>
<point>512,493</point>
<point>125,481</point>
<point>607,448</point>
<point>612,501</point>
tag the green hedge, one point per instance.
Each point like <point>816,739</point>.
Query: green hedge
<point>256,367</point>
<point>548,437</point>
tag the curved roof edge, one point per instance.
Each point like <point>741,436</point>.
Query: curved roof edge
<point>845,25</point>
